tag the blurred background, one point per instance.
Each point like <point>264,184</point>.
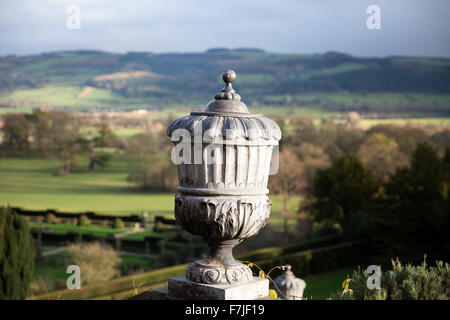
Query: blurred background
<point>360,89</point>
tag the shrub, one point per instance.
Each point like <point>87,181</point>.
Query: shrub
<point>159,227</point>
<point>51,219</point>
<point>168,258</point>
<point>118,224</point>
<point>84,221</point>
<point>16,255</point>
<point>41,284</point>
<point>401,283</point>
<point>39,219</point>
<point>97,262</point>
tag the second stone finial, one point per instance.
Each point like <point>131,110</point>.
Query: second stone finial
<point>289,286</point>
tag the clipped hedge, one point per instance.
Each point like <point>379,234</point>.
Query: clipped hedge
<point>133,218</point>
<point>273,252</point>
<point>165,220</point>
<point>63,239</point>
<point>318,260</point>
<point>303,263</point>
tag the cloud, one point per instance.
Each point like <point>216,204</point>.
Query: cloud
<point>409,27</point>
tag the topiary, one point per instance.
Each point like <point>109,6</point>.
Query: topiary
<point>84,221</point>
<point>16,255</point>
<point>51,219</point>
<point>159,227</point>
<point>118,224</point>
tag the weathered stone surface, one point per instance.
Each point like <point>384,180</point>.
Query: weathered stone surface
<point>224,156</point>
<point>210,272</point>
<point>180,287</point>
<point>222,217</point>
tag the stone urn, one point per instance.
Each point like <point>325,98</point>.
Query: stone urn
<point>224,157</point>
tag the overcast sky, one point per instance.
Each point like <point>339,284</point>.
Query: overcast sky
<point>408,27</point>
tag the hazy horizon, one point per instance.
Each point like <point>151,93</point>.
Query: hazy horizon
<point>238,48</point>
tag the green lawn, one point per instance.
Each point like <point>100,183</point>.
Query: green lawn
<point>31,184</point>
<point>320,286</point>
<point>142,235</point>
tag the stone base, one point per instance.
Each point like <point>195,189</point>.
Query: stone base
<point>181,288</point>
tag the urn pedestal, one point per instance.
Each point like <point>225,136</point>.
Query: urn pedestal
<point>224,156</point>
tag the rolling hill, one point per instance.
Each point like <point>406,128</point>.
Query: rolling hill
<point>334,82</point>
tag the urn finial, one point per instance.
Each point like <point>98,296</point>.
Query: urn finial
<point>229,76</point>
<point>227,102</point>
<point>228,93</point>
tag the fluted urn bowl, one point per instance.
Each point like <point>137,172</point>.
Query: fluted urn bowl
<point>224,157</point>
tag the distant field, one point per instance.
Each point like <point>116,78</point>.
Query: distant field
<point>433,121</point>
<point>31,184</point>
<point>315,105</point>
<point>72,97</point>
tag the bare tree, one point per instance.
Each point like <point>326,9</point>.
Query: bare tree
<point>66,136</point>
<point>290,180</point>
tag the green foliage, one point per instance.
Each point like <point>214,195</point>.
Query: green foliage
<point>414,197</point>
<point>16,130</point>
<point>392,215</point>
<point>303,262</point>
<point>16,255</point>
<point>118,224</point>
<point>342,192</point>
<point>84,221</point>
<point>401,283</point>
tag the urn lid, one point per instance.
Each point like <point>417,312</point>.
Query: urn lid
<point>289,283</point>
<point>227,102</point>
<point>228,117</point>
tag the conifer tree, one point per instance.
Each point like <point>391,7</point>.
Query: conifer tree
<point>16,255</point>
